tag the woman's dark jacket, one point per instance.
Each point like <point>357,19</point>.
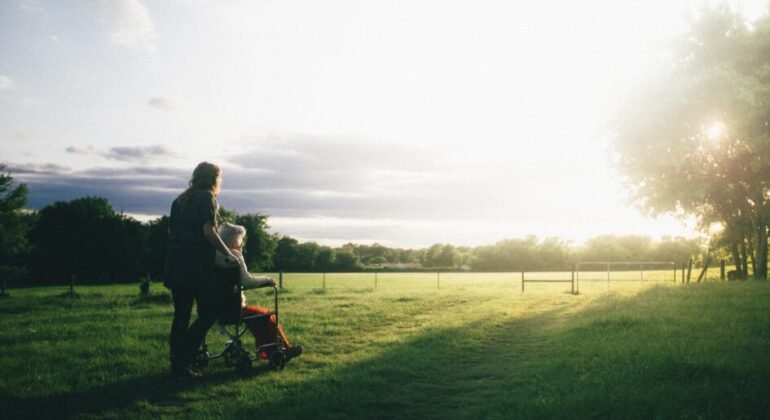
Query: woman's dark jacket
<point>190,258</point>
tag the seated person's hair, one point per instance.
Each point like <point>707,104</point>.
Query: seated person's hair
<point>231,233</point>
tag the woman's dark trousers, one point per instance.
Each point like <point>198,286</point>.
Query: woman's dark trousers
<point>185,339</point>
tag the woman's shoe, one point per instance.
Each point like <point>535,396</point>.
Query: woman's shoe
<point>293,352</point>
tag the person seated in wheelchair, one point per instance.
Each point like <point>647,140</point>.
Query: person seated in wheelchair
<point>264,332</point>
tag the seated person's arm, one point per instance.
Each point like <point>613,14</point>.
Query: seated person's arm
<point>248,280</point>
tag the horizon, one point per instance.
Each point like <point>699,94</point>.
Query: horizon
<point>568,243</point>
<point>401,123</point>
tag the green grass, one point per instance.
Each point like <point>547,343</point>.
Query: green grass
<point>476,349</point>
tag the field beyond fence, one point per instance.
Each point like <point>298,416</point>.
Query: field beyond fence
<point>593,276</point>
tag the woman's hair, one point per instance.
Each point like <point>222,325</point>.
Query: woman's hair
<point>204,178</point>
<point>230,233</point>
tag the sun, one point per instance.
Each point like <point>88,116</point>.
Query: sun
<point>716,131</point>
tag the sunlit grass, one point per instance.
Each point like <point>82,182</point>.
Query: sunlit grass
<point>443,280</point>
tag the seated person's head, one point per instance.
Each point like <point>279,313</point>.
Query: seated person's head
<point>232,235</point>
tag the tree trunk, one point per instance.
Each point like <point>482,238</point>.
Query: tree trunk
<point>706,263</point>
<point>736,257</point>
<point>752,255</point>
<point>760,267</point>
<point>744,261</point>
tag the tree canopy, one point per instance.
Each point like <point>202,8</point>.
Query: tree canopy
<point>88,239</point>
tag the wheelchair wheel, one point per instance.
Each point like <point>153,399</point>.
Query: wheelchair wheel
<point>230,355</point>
<point>277,360</point>
<point>243,364</point>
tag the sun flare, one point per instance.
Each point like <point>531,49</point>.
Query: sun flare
<point>716,131</point>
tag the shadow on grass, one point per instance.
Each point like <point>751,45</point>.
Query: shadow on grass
<point>119,399</point>
<point>642,356</point>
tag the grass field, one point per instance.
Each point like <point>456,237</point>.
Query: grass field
<point>475,347</point>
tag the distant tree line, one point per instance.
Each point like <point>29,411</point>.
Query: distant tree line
<point>85,240</point>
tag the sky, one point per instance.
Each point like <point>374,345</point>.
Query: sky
<point>405,123</point>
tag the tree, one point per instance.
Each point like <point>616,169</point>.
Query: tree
<point>618,248</point>
<point>695,140</point>
<point>156,246</point>
<point>447,256</point>
<point>286,255</point>
<point>14,225</point>
<point>508,254</point>
<point>307,253</point>
<point>88,240</point>
<point>346,260</point>
<point>676,249</point>
<point>324,259</point>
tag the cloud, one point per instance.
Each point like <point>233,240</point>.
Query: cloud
<point>54,39</point>
<point>79,150</point>
<point>141,154</point>
<point>133,190</point>
<point>161,103</point>
<point>343,177</point>
<point>402,187</point>
<point>295,176</point>
<point>37,168</point>
<point>131,23</point>
<point>339,163</point>
<point>5,83</point>
<point>32,7</point>
<point>136,153</point>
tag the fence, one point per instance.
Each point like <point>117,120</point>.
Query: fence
<point>392,280</point>
<point>583,272</point>
<point>545,278</point>
<point>626,271</point>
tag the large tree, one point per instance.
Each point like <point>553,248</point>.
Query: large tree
<point>86,239</point>
<point>695,139</point>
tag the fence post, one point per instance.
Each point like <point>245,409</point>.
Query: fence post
<point>706,263</point>
<point>438,280</point>
<point>522,280</point>
<point>722,270</point>
<point>689,270</point>
<point>280,280</point>
<point>684,266</point>
<point>641,272</point>
<point>573,279</point>
<point>577,277</point>
<point>324,282</point>
<point>375,280</point>
<point>674,264</point>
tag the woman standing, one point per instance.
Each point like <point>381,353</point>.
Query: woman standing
<point>193,242</point>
